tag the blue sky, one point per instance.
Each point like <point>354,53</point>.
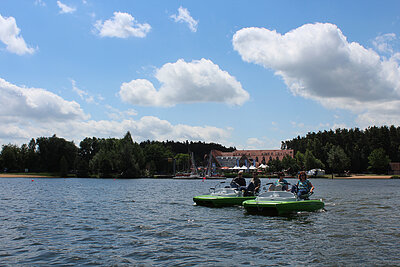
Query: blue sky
<point>248,74</point>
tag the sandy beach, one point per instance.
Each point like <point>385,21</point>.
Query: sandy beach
<point>365,177</point>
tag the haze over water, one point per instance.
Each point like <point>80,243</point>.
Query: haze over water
<point>154,222</point>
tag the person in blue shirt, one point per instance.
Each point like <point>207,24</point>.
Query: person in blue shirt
<point>282,182</point>
<point>304,186</point>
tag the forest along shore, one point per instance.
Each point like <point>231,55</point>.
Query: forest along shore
<point>6,175</point>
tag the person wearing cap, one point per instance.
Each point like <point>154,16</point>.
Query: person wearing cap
<point>239,182</point>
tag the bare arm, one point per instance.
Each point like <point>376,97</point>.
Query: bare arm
<point>312,188</point>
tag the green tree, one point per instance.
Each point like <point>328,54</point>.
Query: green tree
<point>378,160</point>
<point>290,164</point>
<point>103,163</point>
<point>182,162</point>
<point>10,157</point>
<point>52,149</point>
<point>338,161</point>
<point>300,160</point>
<point>63,167</point>
<point>32,160</point>
<point>131,157</point>
<point>88,148</point>
<point>157,154</point>
<point>275,165</point>
<point>311,162</point>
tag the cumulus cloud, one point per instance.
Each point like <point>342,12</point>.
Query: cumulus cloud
<point>30,112</point>
<point>317,62</point>
<point>35,103</point>
<point>148,127</point>
<point>384,113</point>
<point>122,25</point>
<point>65,8</point>
<point>116,114</point>
<point>185,82</point>
<point>184,17</point>
<point>10,36</point>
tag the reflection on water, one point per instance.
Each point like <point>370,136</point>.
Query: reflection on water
<point>154,222</point>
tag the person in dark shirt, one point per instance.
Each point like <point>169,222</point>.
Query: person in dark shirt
<point>239,182</point>
<point>254,186</point>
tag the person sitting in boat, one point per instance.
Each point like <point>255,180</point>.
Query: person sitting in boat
<point>254,186</point>
<point>280,185</point>
<point>239,182</point>
<point>304,187</point>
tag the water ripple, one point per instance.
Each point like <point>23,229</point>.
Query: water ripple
<point>79,222</point>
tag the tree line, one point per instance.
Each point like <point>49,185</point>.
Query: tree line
<point>103,157</point>
<point>353,150</point>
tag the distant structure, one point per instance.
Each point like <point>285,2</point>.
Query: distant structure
<point>247,157</point>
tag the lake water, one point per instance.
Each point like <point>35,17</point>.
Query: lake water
<point>146,222</point>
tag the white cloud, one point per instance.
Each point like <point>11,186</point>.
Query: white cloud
<point>153,128</point>
<point>299,128</point>
<point>84,94</point>
<point>80,92</point>
<point>148,127</point>
<point>10,36</point>
<point>255,142</point>
<point>183,82</point>
<point>385,113</point>
<point>40,3</point>
<point>382,43</point>
<point>65,9</point>
<point>184,17</point>
<point>117,114</point>
<point>37,104</point>
<point>122,25</point>
<point>260,143</point>
<point>30,112</point>
<point>317,62</point>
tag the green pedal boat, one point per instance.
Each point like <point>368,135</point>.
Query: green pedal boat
<point>280,203</point>
<point>222,197</point>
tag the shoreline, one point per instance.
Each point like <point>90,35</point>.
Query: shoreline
<point>365,177</point>
<point>6,175</point>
